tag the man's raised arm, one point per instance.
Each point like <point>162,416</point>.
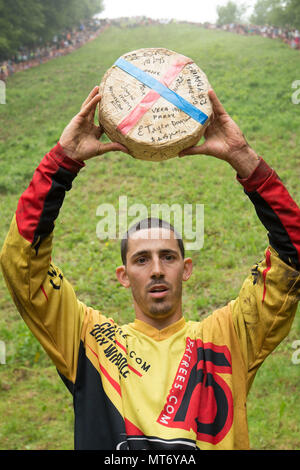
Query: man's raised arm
<point>274,206</point>
<point>44,298</point>
<point>264,310</point>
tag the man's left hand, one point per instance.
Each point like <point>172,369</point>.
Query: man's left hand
<point>80,139</point>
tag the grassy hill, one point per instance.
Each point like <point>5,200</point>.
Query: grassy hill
<point>253,77</point>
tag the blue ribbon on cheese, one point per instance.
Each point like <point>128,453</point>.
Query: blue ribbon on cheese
<point>162,90</point>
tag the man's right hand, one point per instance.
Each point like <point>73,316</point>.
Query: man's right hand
<point>225,140</point>
<point>80,139</point>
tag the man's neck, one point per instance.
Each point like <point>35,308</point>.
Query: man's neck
<point>159,323</point>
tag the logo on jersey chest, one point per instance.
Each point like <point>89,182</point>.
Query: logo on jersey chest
<point>200,399</point>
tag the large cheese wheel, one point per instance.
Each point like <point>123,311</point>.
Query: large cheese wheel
<point>155,102</point>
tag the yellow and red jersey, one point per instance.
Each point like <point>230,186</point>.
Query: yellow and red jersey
<point>136,387</point>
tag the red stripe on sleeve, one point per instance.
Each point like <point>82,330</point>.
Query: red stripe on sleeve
<point>31,203</point>
<point>257,177</point>
<point>280,201</point>
<point>265,272</point>
<point>58,154</point>
<point>44,292</point>
<point>267,184</point>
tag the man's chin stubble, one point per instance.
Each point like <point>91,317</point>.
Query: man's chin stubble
<point>160,309</point>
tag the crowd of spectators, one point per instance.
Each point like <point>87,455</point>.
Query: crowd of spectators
<point>289,36</point>
<point>133,21</point>
<point>61,44</point>
<point>73,39</point>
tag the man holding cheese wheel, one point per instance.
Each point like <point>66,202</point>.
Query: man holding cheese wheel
<point>160,382</point>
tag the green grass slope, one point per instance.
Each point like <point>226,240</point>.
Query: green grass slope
<point>253,78</point>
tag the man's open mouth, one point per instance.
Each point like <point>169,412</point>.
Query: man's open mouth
<point>158,291</point>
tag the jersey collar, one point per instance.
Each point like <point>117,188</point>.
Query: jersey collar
<point>154,333</point>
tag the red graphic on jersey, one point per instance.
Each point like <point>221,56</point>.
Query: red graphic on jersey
<point>200,399</point>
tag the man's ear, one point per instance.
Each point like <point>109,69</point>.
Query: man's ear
<point>188,268</point>
<point>122,276</point>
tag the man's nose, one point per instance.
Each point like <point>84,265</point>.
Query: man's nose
<point>157,268</point>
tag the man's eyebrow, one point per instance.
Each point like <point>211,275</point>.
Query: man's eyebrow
<point>139,253</point>
<point>146,252</point>
<point>168,250</point>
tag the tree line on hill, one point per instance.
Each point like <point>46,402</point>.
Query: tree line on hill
<point>280,13</point>
<point>32,22</point>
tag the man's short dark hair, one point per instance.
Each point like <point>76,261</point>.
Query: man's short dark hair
<point>150,222</point>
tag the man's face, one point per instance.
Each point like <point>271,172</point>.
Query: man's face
<point>155,270</point>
